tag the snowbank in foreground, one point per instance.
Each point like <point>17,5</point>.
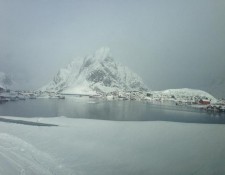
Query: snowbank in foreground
<point>96,147</point>
<point>20,157</point>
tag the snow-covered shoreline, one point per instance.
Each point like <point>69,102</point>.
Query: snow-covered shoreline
<point>83,146</point>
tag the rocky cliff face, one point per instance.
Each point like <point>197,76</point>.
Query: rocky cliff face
<point>95,73</point>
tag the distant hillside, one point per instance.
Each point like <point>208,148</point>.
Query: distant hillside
<point>185,93</point>
<point>5,81</point>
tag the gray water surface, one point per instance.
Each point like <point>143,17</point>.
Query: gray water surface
<point>107,110</point>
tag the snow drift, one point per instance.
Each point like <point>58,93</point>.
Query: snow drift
<point>97,147</point>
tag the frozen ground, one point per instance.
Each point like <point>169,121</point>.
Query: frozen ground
<point>96,147</point>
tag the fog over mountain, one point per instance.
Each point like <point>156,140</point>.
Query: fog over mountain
<point>170,44</point>
<point>95,73</point>
<point>5,81</point>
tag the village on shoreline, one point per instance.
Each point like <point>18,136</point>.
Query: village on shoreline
<point>195,99</point>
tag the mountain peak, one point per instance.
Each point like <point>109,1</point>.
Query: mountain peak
<point>95,73</point>
<point>102,53</point>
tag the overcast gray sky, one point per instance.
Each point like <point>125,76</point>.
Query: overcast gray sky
<point>170,44</point>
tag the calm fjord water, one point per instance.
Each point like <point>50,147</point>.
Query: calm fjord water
<point>106,110</point>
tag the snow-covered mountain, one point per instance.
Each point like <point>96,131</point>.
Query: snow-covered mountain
<point>184,94</point>
<point>95,73</point>
<point>5,81</point>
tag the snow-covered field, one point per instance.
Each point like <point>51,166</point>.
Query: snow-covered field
<point>96,147</point>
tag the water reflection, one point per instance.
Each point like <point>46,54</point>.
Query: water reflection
<point>107,110</point>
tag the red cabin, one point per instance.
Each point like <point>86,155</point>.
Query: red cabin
<point>204,102</point>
